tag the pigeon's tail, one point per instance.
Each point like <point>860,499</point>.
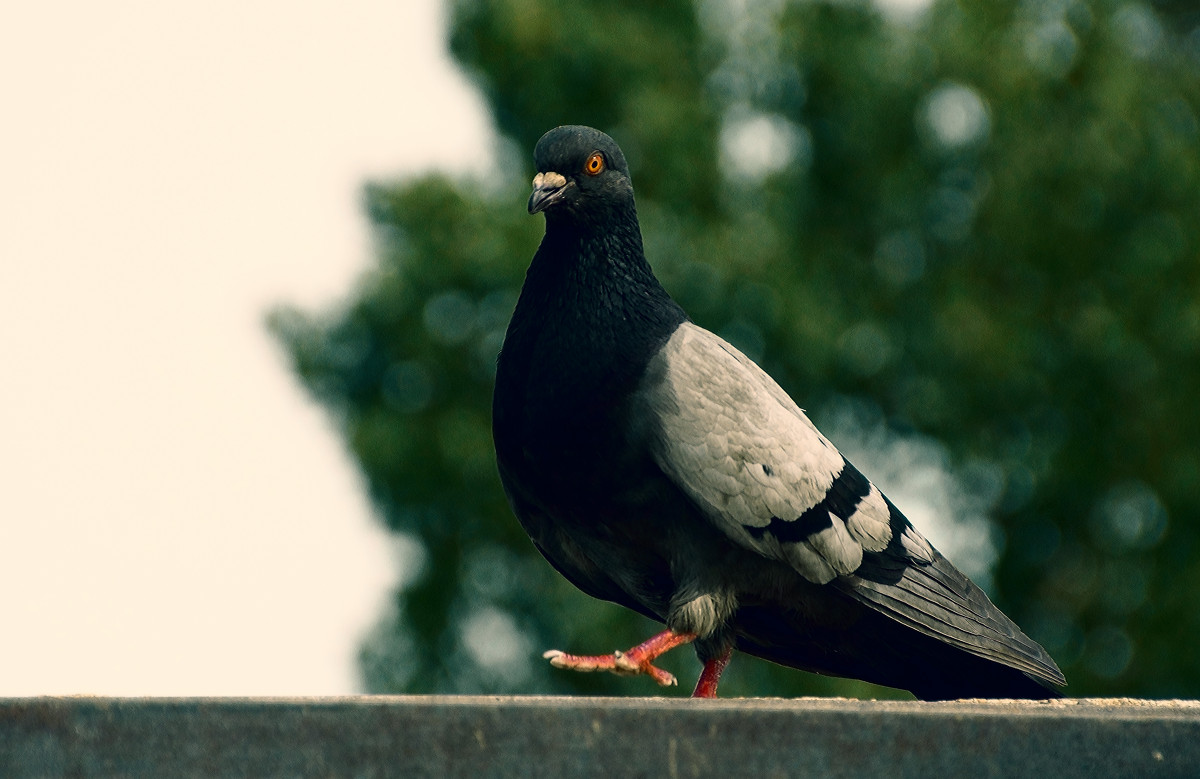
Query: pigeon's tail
<point>989,680</point>
<point>937,600</point>
<point>861,643</point>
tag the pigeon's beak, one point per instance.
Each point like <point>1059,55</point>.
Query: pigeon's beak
<point>548,189</point>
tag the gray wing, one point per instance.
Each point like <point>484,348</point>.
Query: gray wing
<point>733,440</point>
<point>759,470</point>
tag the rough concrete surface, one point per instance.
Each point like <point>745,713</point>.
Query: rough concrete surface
<point>557,736</point>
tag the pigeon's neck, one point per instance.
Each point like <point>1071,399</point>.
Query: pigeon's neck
<point>596,276</point>
<point>590,317</point>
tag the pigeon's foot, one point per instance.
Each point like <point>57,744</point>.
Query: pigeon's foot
<point>706,686</point>
<point>634,662</point>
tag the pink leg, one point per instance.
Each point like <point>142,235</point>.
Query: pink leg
<point>706,687</point>
<point>638,660</point>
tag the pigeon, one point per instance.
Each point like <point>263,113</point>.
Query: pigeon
<point>657,467</point>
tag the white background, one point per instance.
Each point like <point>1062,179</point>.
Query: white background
<point>176,516</point>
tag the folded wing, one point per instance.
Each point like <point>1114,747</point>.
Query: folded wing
<point>759,470</point>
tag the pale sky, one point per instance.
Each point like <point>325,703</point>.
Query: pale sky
<point>176,516</point>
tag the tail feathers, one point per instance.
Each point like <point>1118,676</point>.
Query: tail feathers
<point>865,644</point>
<point>938,601</point>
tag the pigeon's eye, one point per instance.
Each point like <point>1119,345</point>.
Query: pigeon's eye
<point>594,164</point>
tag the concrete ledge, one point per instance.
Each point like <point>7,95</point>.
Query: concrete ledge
<point>536,736</point>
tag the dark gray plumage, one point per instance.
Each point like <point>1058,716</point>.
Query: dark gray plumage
<point>657,467</point>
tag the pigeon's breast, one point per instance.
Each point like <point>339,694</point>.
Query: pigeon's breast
<point>563,409</point>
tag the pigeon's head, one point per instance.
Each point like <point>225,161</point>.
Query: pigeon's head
<point>580,171</point>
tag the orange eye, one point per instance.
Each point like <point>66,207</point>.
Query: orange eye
<point>594,164</point>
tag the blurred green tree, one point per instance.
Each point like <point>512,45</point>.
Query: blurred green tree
<point>972,235</point>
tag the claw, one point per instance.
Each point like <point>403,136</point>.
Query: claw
<point>634,662</point>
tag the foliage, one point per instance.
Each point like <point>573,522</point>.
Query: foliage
<point>980,226</point>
